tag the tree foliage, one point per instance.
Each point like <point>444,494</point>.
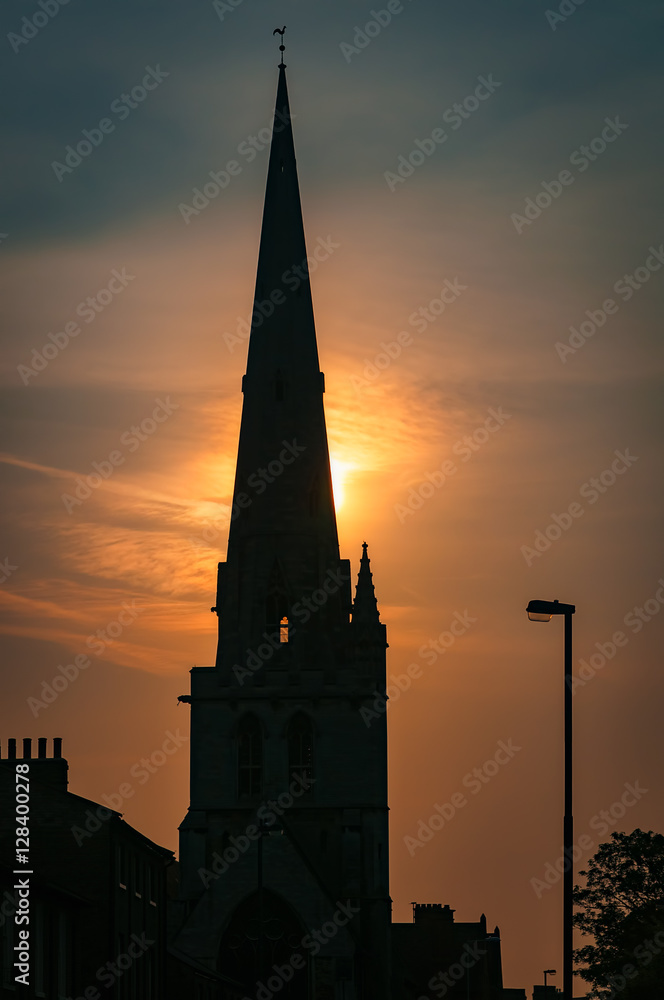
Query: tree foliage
<point>622,907</point>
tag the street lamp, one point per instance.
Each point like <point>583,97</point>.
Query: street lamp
<point>543,611</point>
<point>548,972</point>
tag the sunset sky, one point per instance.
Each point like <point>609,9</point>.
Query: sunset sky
<point>450,461</point>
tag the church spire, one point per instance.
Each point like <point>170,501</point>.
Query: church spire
<point>283,519</point>
<point>365,606</point>
<point>290,490</point>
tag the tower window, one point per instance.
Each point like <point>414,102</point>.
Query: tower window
<point>249,758</point>
<point>301,748</point>
<point>276,606</point>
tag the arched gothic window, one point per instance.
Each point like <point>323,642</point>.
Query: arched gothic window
<point>264,931</point>
<point>249,757</point>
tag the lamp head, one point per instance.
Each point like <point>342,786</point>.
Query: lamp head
<point>543,611</point>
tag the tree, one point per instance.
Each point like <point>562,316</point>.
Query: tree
<point>622,907</point>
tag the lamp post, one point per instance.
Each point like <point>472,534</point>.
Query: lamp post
<point>543,611</point>
<point>548,972</point>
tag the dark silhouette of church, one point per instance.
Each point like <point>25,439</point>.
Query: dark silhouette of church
<point>277,719</point>
<point>284,852</point>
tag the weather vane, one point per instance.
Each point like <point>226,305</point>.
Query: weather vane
<point>282,47</point>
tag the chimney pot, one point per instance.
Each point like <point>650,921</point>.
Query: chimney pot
<point>27,748</point>
<point>57,746</point>
<point>11,749</point>
<point>41,747</point>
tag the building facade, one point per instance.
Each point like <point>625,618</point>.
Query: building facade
<point>436,956</point>
<point>96,890</point>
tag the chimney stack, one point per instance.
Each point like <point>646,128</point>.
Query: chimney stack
<point>48,770</point>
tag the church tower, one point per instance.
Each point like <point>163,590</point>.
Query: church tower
<point>284,850</point>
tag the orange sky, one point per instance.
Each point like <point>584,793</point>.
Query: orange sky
<point>152,532</point>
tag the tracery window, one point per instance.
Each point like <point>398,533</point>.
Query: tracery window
<point>249,757</point>
<point>300,748</point>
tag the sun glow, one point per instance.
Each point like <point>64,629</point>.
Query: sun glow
<point>340,473</point>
